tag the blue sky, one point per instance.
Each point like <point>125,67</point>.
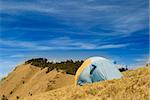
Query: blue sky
<point>73,29</point>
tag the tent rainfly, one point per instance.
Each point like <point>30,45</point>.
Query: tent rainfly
<point>96,69</point>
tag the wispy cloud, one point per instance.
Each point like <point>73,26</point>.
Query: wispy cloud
<point>144,59</point>
<point>109,46</point>
<point>17,56</point>
<point>14,7</point>
<point>22,45</point>
<point>57,44</point>
<point>89,27</point>
<point>65,41</point>
<point>83,16</point>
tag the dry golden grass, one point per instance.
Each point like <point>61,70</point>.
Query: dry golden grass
<point>135,85</point>
<point>27,80</point>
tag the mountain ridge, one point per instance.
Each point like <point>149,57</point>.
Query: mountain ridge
<point>26,80</point>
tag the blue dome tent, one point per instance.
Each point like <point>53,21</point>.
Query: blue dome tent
<point>96,69</point>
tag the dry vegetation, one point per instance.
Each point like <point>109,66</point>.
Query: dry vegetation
<point>29,81</point>
<point>135,85</point>
<point>69,66</point>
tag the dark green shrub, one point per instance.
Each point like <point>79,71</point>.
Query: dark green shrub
<point>69,66</point>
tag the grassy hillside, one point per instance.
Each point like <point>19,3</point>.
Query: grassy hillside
<point>28,80</point>
<point>39,75</point>
<point>135,85</point>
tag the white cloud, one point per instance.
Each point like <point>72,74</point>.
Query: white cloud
<point>13,43</point>
<point>26,6</point>
<point>131,22</point>
<point>108,46</point>
<point>23,45</point>
<point>122,20</point>
<point>57,44</point>
<point>143,60</point>
<point>17,56</point>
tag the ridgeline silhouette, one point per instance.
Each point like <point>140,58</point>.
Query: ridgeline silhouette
<point>69,66</point>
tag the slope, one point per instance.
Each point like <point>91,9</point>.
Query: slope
<point>135,85</point>
<point>28,80</point>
